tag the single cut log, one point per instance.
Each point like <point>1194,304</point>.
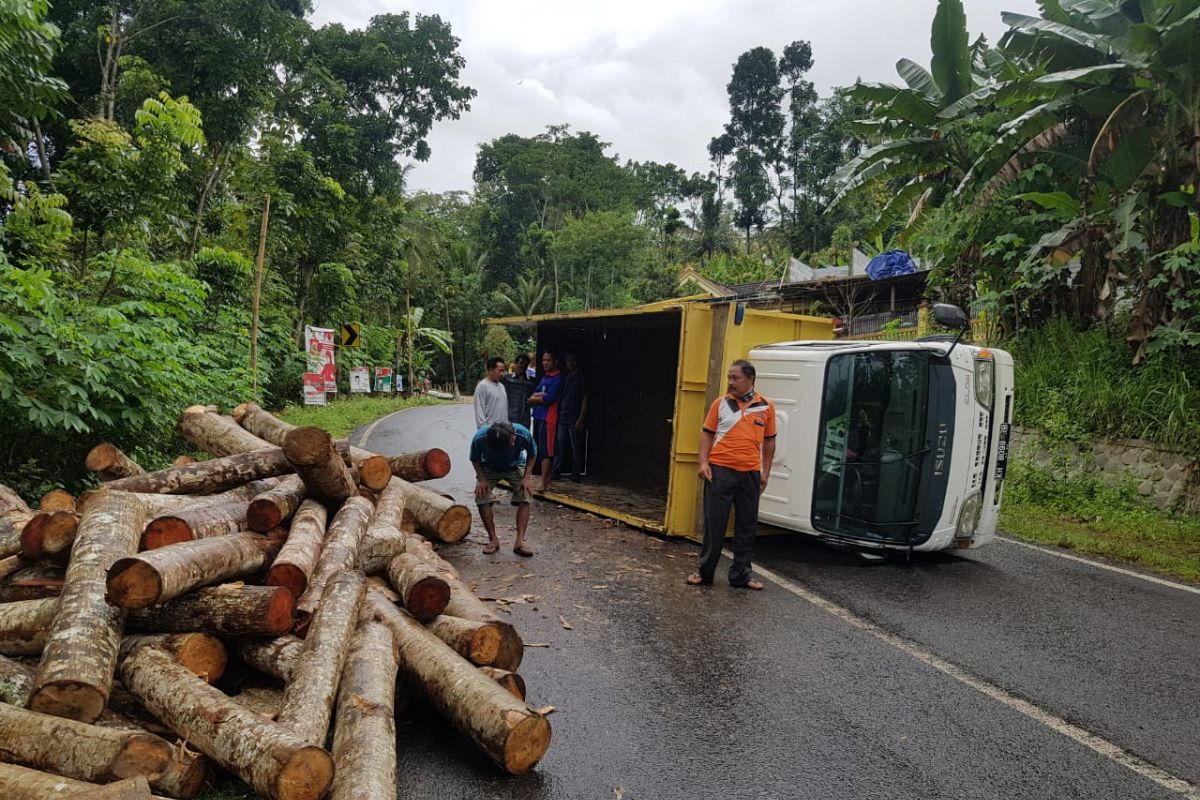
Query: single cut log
<point>185,775</point>
<point>339,552</point>
<point>423,465</point>
<point>23,783</point>
<point>435,515</point>
<point>76,670</point>
<point>268,756</point>
<point>203,655</point>
<point>302,550</point>
<point>374,471</point>
<point>215,434</point>
<point>309,695</point>
<point>208,477</point>
<point>311,452</point>
<point>11,501</point>
<point>49,535</point>
<point>364,738</point>
<point>275,657</point>
<point>272,508</point>
<point>215,519</point>
<point>229,610</point>
<point>33,582</point>
<point>182,460</point>
<point>25,626</point>
<point>423,592</point>
<point>76,749</point>
<point>11,524</point>
<point>478,642</point>
<point>263,699</point>
<point>109,463</point>
<point>511,682</point>
<point>511,734</point>
<point>57,500</point>
<point>129,789</point>
<point>155,576</point>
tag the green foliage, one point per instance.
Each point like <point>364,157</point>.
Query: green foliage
<point>1076,384</point>
<point>342,416</point>
<point>498,342</point>
<point>27,90</point>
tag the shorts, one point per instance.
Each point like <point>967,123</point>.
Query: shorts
<point>513,476</point>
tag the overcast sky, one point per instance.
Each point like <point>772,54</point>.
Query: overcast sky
<point>648,76</point>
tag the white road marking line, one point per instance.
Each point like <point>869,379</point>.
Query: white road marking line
<point>1101,565</point>
<point>1028,709</point>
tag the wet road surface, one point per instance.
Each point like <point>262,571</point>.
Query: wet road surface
<point>668,691</point>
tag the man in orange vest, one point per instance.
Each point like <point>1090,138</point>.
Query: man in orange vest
<point>737,446</point>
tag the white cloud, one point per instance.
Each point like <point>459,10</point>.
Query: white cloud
<point>648,76</point>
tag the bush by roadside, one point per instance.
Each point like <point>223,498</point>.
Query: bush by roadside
<point>340,417</point>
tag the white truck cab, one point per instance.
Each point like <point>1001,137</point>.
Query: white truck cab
<point>887,445</point>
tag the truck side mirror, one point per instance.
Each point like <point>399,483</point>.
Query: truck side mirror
<point>950,316</point>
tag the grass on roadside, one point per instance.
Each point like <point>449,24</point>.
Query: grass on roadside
<point>340,417</point>
<point>1098,520</point>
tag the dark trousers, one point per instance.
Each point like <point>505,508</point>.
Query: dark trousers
<point>569,449</point>
<point>739,489</point>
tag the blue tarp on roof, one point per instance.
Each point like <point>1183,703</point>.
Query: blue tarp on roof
<point>890,264</point>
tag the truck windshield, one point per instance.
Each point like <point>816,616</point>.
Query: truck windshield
<point>872,445</point>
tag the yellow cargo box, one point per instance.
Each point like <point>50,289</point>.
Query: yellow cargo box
<point>652,371</point>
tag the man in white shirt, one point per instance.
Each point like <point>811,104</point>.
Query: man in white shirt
<point>491,399</point>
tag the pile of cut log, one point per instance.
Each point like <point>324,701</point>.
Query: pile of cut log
<point>264,612</point>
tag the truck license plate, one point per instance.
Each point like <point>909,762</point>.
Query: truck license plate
<point>1002,452</point>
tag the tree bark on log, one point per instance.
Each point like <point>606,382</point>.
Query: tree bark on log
<point>57,500</point>
<point>374,471</point>
<point>10,565</point>
<point>185,775</point>
<point>270,509</point>
<point>268,756</point>
<point>34,581</point>
<point>23,783</point>
<point>129,789</point>
<point>511,734</point>
<point>511,682</point>
<point>76,749</point>
<point>10,531</point>
<point>229,610</point>
<point>209,477</point>
<point>214,519</point>
<point>156,576</point>
<point>364,738</point>
<point>378,547</point>
<point>275,657</point>
<point>339,552</point>
<point>76,670</point>
<point>309,695</point>
<point>25,626</point>
<point>389,507</point>
<point>423,592</point>
<point>263,699</point>
<point>435,515</point>
<point>11,501</point>
<point>478,642</point>
<point>312,454</point>
<point>215,434</point>
<point>109,463</point>
<point>49,535</point>
<point>422,465</point>
<point>202,654</point>
<point>302,550</point>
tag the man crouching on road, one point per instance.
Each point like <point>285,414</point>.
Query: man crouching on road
<point>737,446</point>
<point>503,451</point>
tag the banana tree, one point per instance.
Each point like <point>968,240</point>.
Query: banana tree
<point>419,339</point>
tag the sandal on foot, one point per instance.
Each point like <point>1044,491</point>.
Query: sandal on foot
<point>490,548</point>
<point>695,579</point>
<point>750,584</point>
<point>523,551</point>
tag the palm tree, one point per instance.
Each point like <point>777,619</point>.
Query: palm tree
<point>525,299</point>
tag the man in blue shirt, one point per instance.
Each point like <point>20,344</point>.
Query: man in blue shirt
<point>503,451</point>
<point>545,414</point>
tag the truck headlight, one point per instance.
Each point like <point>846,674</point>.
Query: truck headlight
<point>968,517</point>
<point>985,379</point>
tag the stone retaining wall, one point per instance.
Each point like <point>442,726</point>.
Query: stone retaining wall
<point>1167,477</point>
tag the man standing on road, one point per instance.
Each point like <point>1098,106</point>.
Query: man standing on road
<point>503,451</point>
<point>737,446</point>
<point>519,386</point>
<point>572,416</point>
<point>491,401</point>
<point>545,414</point>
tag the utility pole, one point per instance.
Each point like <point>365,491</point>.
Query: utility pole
<point>258,273</point>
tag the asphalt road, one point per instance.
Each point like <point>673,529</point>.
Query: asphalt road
<point>1008,672</point>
